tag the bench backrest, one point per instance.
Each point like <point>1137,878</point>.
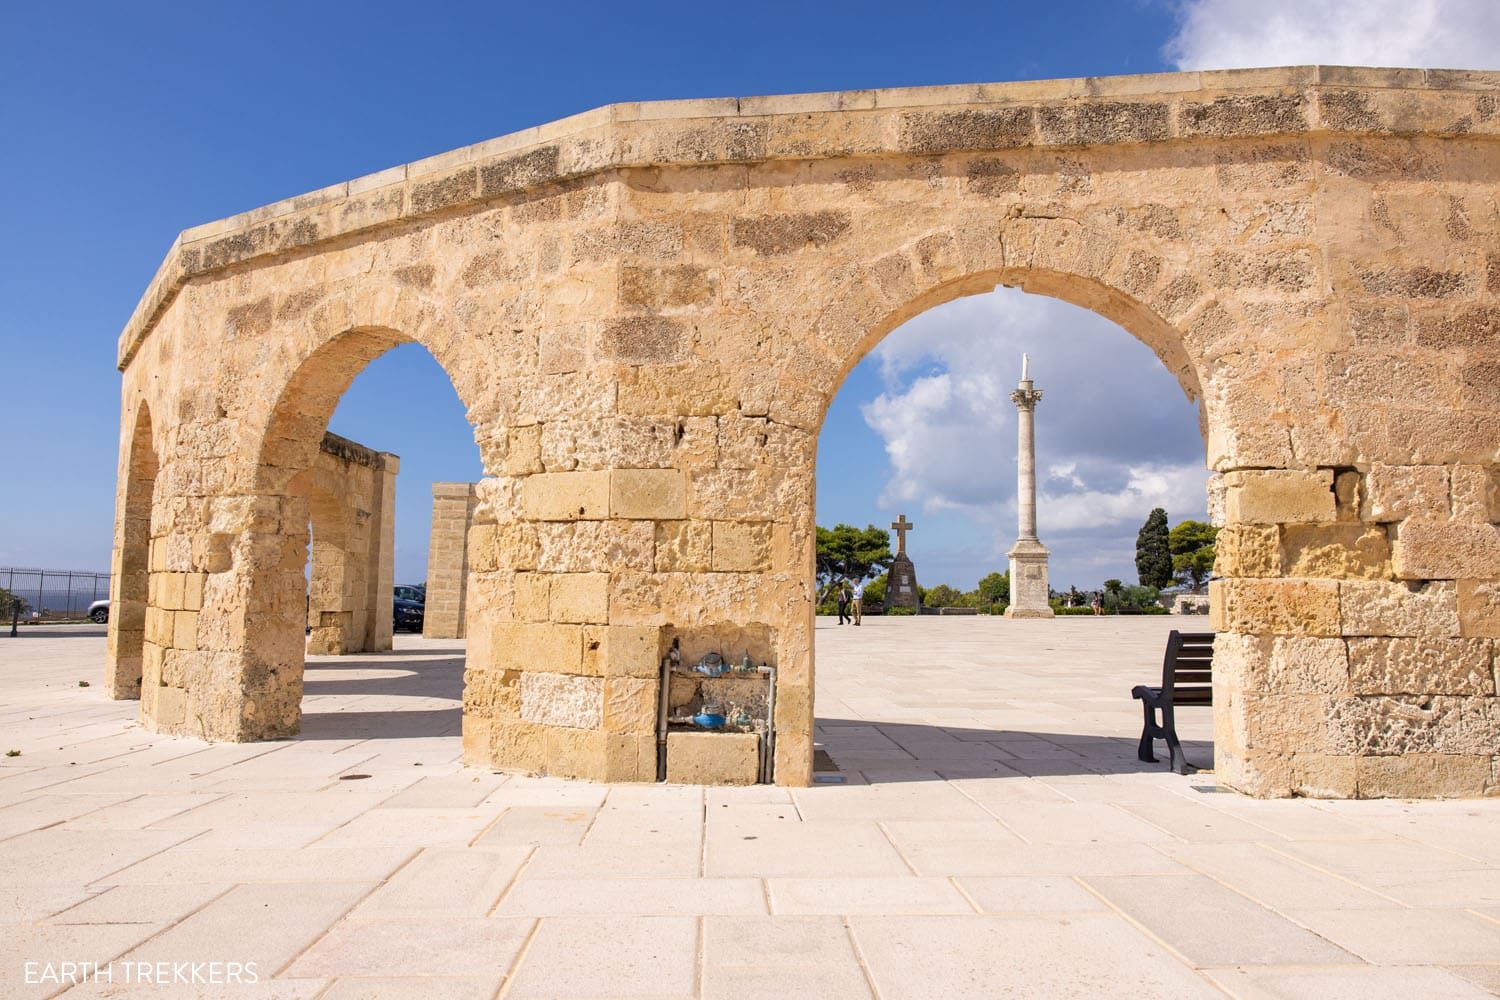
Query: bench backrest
<point>1187,669</point>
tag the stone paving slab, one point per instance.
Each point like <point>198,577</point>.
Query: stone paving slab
<point>993,834</point>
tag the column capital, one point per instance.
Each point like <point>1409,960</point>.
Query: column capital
<point>1026,398</point>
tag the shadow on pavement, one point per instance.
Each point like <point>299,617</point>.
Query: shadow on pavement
<point>881,752</point>
<point>371,690</point>
<point>415,678</point>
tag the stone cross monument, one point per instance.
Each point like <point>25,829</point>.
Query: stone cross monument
<point>1028,557</point>
<point>901,584</point>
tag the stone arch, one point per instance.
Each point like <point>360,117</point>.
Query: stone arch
<point>1132,315</point>
<point>646,312</point>
<point>130,577</point>
<point>284,474</point>
<point>252,559</point>
<point>855,320</point>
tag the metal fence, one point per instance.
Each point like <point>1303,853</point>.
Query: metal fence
<point>54,594</point>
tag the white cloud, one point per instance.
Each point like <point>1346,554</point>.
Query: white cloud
<point>1228,34</point>
<point>1177,488</point>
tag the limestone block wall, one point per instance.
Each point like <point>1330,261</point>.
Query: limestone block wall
<point>1382,679</point>
<point>646,311</point>
<point>353,516</point>
<point>453,507</point>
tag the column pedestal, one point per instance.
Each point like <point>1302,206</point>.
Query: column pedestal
<point>1028,581</point>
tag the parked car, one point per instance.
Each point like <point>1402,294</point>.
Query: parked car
<point>406,615</point>
<point>412,593</point>
<point>99,611</point>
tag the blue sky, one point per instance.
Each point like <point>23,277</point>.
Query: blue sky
<point>127,123</point>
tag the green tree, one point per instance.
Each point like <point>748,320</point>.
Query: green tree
<point>12,604</point>
<point>995,588</point>
<point>1153,551</point>
<point>1113,586</point>
<point>1192,547</point>
<point>847,553</point>
<point>943,596</point>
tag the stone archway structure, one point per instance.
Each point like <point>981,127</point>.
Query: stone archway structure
<point>647,309</point>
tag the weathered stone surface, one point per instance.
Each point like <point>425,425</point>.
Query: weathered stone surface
<point>1103,121</point>
<point>517,746</point>
<point>1421,666</point>
<point>1339,551</point>
<point>1384,726</point>
<point>545,647</point>
<point>659,494</point>
<point>579,597</point>
<point>776,235</point>
<point>1248,550</point>
<point>966,130</point>
<point>595,546</point>
<point>1286,607</point>
<point>533,597</point>
<point>1426,776</point>
<point>516,173</point>
<point>1371,608</point>
<point>644,340</point>
<point>1275,496</point>
<point>674,286</point>
<point>1396,492</point>
<point>1476,493</point>
<point>565,496</point>
<point>1479,608</point>
<point>684,546</point>
<point>1446,550</point>
<point>646,313</point>
<point>1245,115</point>
<point>630,705</point>
<point>524,454</point>
<point>562,700</point>
<point>1284,722</point>
<point>712,758</point>
<point>1283,665</point>
<point>576,753</point>
<point>740,546</point>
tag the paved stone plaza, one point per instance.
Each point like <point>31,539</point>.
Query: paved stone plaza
<point>995,836</point>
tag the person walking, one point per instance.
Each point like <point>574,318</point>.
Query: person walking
<point>859,600</point>
<point>843,598</point>
<point>1098,602</point>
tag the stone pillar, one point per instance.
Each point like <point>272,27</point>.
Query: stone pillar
<point>1028,557</point>
<point>382,572</point>
<point>352,510</point>
<point>447,560</point>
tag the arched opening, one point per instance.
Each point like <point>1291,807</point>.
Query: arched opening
<point>344,542</point>
<point>924,425</point>
<point>131,569</point>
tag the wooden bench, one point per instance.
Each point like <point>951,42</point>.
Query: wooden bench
<point>1186,679</point>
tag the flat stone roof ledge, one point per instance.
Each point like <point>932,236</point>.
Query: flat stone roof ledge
<point>899,121</point>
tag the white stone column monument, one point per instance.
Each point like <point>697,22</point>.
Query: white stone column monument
<point>1028,557</point>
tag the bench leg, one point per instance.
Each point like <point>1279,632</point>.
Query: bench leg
<point>1148,732</point>
<point>1178,761</point>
